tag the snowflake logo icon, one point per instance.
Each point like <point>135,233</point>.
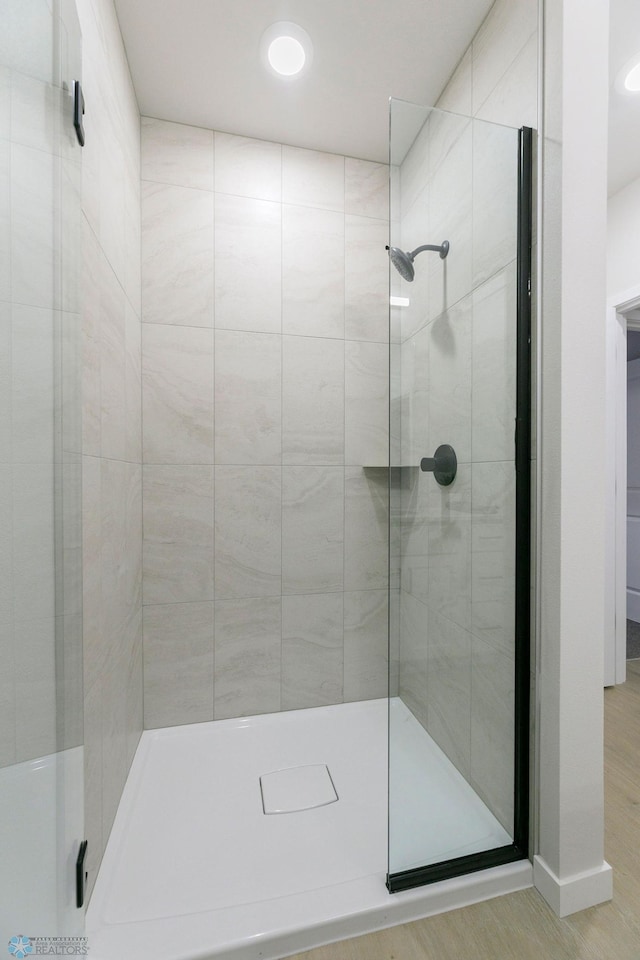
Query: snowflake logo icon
<point>20,947</point>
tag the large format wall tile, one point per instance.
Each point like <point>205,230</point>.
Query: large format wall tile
<point>413,664</point>
<point>34,210</point>
<point>312,529</point>
<point>5,101</point>
<point>33,345</point>
<point>177,154</point>
<point>113,366</point>
<point>449,689</point>
<point>133,385</point>
<point>121,580</point>
<point>93,777</point>
<point>132,270</point>
<point>450,212</point>
<point>121,555</point>
<point>449,380</point>
<point>514,99</point>
<point>92,280</point>
<point>497,43</point>
<point>312,272</point>
<point>495,199</point>
<point>177,255</point>
<point>494,367</point>
<point>94,650</point>
<point>493,554</point>
<point>6,545</point>
<point>177,376</point>
<point>178,663</point>
<point>411,519</point>
<point>35,688</point>
<point>412,233</point>
<point>247,532</point>
<point>448,546</point>
<point>248,636</point>
<point>248,168</point>
<point>134,719</point>
<point>248,401</point>
<point>366,656</point>
<point>248,264</point>
<point>411,413</point>
<point>312,179</point>
<point>312,400</point>
<point>366,403</point>
<point>413,167</point>
<point>7,680</point>
<point>7,695</point>
<point>492,729</point>
<point>366,188</point>
<point>178,533</point>
<point>366,523</point>
<point>446,130</point>
<point>111,200</point>
<point>312,650</point>
<point>366,279</point>
<point>5,220</point>
<point>33,541</point>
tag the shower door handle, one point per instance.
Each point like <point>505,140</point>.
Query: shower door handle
<point>443,464</point>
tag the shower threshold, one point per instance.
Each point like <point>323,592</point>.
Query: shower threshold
<point>195,869</point>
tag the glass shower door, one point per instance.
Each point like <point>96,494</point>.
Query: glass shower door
<point>41,698</point>
<point>459,494</point>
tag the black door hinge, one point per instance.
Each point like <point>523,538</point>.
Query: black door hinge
<point>81,874</point>
<point>78,111</point>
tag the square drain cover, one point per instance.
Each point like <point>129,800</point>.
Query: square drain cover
<point>297,788</point>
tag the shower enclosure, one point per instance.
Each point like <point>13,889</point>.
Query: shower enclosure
<point>266,526</point>
<point>282,842</point>
<point>459,494</point>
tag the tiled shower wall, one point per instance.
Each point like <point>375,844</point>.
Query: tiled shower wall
<point>457,383</point>
<point>265,371</point>
<point>112,471</point>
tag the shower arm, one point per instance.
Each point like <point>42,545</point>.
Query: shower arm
<point>442,249</point>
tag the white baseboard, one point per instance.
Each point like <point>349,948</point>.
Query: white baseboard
<point>576,892</point>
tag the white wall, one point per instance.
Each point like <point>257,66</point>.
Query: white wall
<point>623,239</point>
<point>633,491</point>
<point>569,868</point>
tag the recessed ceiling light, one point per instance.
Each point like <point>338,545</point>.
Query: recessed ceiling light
<point>632,79</point>
<point>286,55</point>
<point>628,79</point>
<point>286,49</point>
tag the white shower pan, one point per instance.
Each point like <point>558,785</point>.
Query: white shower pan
<point>194,868</point>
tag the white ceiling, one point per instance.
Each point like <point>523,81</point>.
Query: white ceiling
<point>624,108</point>
<point>197,62</point>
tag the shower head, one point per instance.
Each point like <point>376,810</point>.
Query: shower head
<point>403,262</point>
